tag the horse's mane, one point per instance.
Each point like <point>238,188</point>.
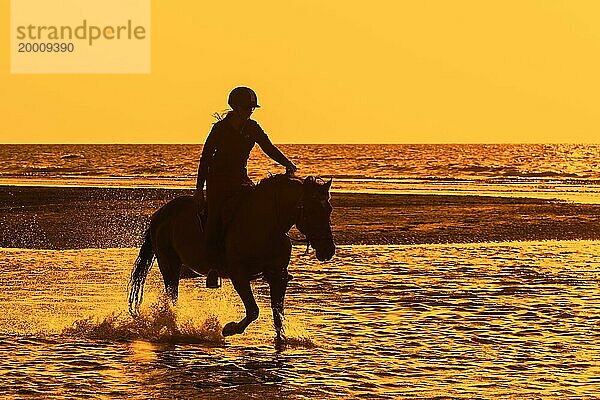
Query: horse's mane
<point>273,179</point>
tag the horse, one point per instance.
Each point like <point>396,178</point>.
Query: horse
<point>255,243</point>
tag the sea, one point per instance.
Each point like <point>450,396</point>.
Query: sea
<point>488,320</point>
<point>568,172</point>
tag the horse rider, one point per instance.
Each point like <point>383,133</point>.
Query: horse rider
<point>223,166</point>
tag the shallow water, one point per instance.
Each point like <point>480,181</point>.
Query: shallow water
<point>471,320</point>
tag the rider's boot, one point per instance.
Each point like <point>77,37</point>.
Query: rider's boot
<point>213,280</point>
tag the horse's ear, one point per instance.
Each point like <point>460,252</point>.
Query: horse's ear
<point>328,184</point>
<point>308,180</point>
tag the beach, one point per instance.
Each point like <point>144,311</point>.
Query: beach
<point>44,217</point>
<point>451,279</point>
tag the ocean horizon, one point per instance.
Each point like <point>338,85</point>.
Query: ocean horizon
<point>568,172</point>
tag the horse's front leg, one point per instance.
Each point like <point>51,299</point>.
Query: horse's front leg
<point>242,286</point>
<point>278,286</point>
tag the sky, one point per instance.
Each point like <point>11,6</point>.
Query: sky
<point>428,71</point>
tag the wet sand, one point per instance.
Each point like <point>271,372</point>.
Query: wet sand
<point>79,217</point>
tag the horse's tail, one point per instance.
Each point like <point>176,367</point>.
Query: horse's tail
<point>143,263</point>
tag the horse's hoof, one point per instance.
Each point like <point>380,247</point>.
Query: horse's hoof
<point>280,342</point>
<point>230,328</point>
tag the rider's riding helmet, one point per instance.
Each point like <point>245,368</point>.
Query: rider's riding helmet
<point>242,97</point>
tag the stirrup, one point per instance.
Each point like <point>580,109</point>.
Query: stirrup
<point>213,280</point>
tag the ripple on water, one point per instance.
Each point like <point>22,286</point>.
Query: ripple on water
<point>473,320</point>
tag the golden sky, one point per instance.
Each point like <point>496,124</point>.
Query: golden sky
<point>334,71</point>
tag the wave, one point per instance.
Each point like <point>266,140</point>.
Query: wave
<point>476,170</point>
<point>151,169</point>
<point>498,170</point>
<point>155,164</point>
<point>552,174</point>
<point>71,156</point>
<point>468,174</point>
<point>48,170</point>
<point>53,171</point>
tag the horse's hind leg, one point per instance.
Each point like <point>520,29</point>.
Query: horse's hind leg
<point>170,268</point>
<point>242,286</point>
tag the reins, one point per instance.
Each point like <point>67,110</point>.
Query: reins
<point>300,208</point>
<point>306,240</point>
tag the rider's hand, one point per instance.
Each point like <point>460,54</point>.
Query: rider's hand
<point>290,169</point>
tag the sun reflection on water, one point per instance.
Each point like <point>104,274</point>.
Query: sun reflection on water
<point>495,320</point>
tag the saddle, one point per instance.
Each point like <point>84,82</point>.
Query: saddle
<point>232,205</point>
<point>228,211</point>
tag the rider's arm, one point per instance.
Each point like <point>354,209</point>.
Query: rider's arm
<point>269,148</point>
<point>207,152</point>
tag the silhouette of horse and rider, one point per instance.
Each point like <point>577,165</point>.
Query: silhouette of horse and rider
<point>240,230</point>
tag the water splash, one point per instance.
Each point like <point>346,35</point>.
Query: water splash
<point>291,342</point>
<point>296,336</point>
<point>159,323</point>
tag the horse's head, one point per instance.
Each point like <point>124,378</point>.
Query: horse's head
<point>314,219</point>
